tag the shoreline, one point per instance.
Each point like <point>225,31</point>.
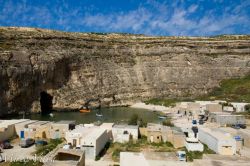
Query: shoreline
<point>150,107</point>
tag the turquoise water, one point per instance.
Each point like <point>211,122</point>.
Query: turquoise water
<point>114,114</point>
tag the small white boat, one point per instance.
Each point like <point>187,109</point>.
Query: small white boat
<point>51,115</point>
<point>98,115</point>
<point>162,117</point>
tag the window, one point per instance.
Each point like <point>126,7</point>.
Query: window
<point>125,132</point>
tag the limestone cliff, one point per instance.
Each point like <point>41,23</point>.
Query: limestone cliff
<point>111,69</point>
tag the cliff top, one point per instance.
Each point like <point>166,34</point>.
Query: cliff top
<point>26,32</point>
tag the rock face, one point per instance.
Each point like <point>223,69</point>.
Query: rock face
<point>111,69</point>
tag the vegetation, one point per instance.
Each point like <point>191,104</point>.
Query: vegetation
<point>163,101</point>
<point>196,154</point>
<point>52,144</point>
<point>142,143</point>
<point>26,163</point>
<point>247,108</point>
<point>136,120</point>
<point>231,90</point>
<point>167,122</point>
<point>237,90</point>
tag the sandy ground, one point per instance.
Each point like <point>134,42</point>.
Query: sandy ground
<point>150,107</point>
<point>17,152</point>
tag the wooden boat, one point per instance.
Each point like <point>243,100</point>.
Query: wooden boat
<point>84,110</point>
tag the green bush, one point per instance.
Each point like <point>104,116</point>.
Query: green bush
<point>167,122</point>
<point>26,163</point>
<point>52,144</point>
<point>133,119</point>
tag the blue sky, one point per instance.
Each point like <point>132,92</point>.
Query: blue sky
<point>150,17</point>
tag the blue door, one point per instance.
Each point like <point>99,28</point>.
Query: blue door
<point>22,134</point>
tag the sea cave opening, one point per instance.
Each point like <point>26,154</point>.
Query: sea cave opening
<point>46,102</point>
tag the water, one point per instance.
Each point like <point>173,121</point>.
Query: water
<point>114,114</point>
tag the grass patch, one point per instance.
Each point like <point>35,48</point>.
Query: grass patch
<point>167,122</point>
<point>26,163</point>
<point>52,144</point>
<point>163,101</point>
<point>231,90</point>
<point>196,154</point>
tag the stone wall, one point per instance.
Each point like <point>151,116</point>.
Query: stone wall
<point>111,70</point>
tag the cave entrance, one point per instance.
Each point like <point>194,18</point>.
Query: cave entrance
<point>46,102</point>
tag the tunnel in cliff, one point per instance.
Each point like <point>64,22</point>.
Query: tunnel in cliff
<point>46,102</point>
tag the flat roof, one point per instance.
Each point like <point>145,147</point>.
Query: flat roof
<point>107,125</point>
<point>66,122</point>
<point>154,127</point>
<point>160,156</point>
<point>131,158</point>
<point>96,133</point>
<point>27,122</point>
<point>40,123</point>
<point>6,123</point>
<point>84,131</point>
<point>126,126</point>
<point>219,135</point>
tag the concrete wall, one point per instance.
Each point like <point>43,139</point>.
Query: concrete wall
<point>70,137</point>
<point>154,136</point>
<point>58,130</point>
<point>230,119</point>
<point>218,145</point>
<point>209,140</point>
<point>177,139</point>
<point>214,107</point>
<point>143,131</point>
<point>120,136</point>
<point>7,133</point>
<point>101,142</point>
<point>246,136</point>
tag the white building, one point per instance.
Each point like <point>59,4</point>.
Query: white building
<point>239,107</point>
<point>94,142</point>
<point>193,144</point>
<point>124,133</point>
<point>7,128</point>
<point>228,109</point>
<point>224,118</point>
<point>108,127</point>
<point>91,139</point>
<point>58,129</point>
<point>221,143</point>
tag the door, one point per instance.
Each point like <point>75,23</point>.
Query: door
<point>74,142</point>
<point>151,138</point>
<point>22,134</point>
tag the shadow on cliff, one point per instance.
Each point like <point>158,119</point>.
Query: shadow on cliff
<point>33,85</point>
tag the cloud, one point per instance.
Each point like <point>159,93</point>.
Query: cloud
<point>151,17</point>
<point>192,8</point>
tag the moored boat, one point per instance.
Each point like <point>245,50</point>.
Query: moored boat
<point>99,115</point>
<point>84,110</point>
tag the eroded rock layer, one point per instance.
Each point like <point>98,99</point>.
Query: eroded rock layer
<point>111,69</point>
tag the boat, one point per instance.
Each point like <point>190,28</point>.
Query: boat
<point>51,115</point>
<point>84,110</point>
<point>98,115</point>
<point>162,117</point>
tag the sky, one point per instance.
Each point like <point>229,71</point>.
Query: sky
<point>149,17</point>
